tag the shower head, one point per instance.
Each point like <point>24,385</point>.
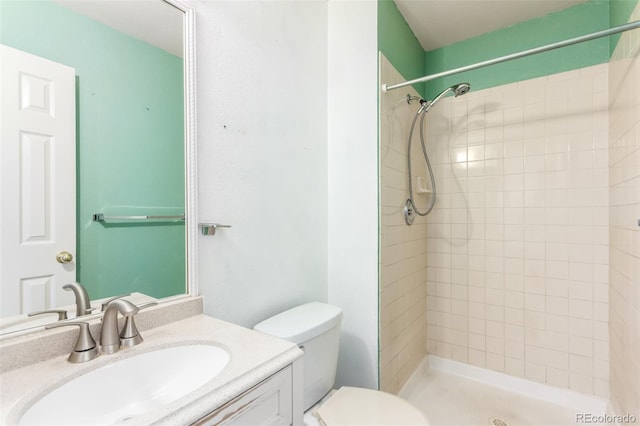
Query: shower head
<point>458,90</point>
<point>461,88</point>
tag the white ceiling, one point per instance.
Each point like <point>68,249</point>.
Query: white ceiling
<point>438,23</point>
<point>155,22</point>
<point>435,23</point>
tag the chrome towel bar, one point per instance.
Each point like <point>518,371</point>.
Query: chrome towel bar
<point>100,217</point>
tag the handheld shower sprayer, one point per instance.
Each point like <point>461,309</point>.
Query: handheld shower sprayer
<point>410,209</point>
<point>458,90</point>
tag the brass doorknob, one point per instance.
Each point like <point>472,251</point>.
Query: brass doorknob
<point>64,257</point>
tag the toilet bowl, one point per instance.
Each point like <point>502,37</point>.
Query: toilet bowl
<point>315,327</point>
<point>359,406</point>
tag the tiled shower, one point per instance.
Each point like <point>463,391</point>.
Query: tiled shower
<point>403,249</point>
<point>517,252</point>
<point>624,222</point>
<point>531,258</point>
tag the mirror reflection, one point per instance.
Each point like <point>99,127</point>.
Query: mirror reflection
<point>95,126</point>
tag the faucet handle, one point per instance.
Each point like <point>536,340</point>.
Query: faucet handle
<point>130,336</point>
<point>147,305</point>
<point>106,302</point>
<point>62,314</point>
<point>85,348</point>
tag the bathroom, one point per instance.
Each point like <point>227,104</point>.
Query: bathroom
<point>294,81</point>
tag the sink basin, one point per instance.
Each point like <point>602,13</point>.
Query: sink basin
<point>129,387</point>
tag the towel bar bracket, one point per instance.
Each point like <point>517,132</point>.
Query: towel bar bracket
<point>210,228</point>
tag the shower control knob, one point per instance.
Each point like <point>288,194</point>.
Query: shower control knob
<point>408,212</point>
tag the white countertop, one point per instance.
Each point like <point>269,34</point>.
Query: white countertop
<point>254,357</point>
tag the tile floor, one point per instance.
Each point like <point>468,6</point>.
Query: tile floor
<point>450,400</point>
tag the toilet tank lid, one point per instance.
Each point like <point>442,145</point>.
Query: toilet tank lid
<point>302,323</point>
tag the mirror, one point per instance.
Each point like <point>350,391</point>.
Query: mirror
<point>131,169</point>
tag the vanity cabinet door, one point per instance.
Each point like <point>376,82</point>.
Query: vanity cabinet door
<point>267,403</point>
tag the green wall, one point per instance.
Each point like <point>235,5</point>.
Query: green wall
<point>578,20</point>
<point>130,152</point>
<point>398,43</point>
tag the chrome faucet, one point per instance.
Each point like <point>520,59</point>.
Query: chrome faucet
<point>83,304</point>
<point>110,336</point>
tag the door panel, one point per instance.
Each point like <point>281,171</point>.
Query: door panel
<point>37,182</point>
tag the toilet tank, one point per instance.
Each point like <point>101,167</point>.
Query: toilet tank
<point>315,328</point>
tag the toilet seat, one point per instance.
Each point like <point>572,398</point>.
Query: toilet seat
<point>350,406</point>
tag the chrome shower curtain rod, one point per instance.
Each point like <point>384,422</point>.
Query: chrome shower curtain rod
<point>545,48</point>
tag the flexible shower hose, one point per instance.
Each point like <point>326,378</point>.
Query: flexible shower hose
<point>422,113</point>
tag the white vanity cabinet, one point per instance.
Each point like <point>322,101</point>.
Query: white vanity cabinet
<point>261,385</point>
<point>270,402</point>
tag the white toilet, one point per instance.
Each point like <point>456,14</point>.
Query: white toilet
<point>315,327</point>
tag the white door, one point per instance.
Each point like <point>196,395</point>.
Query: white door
<point>37,181</point>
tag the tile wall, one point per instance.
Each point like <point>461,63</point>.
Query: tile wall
<point>624,200</point>
<point>403,249</point>
<point>518,248</point>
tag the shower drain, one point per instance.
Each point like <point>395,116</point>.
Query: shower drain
<point>497,421</point>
